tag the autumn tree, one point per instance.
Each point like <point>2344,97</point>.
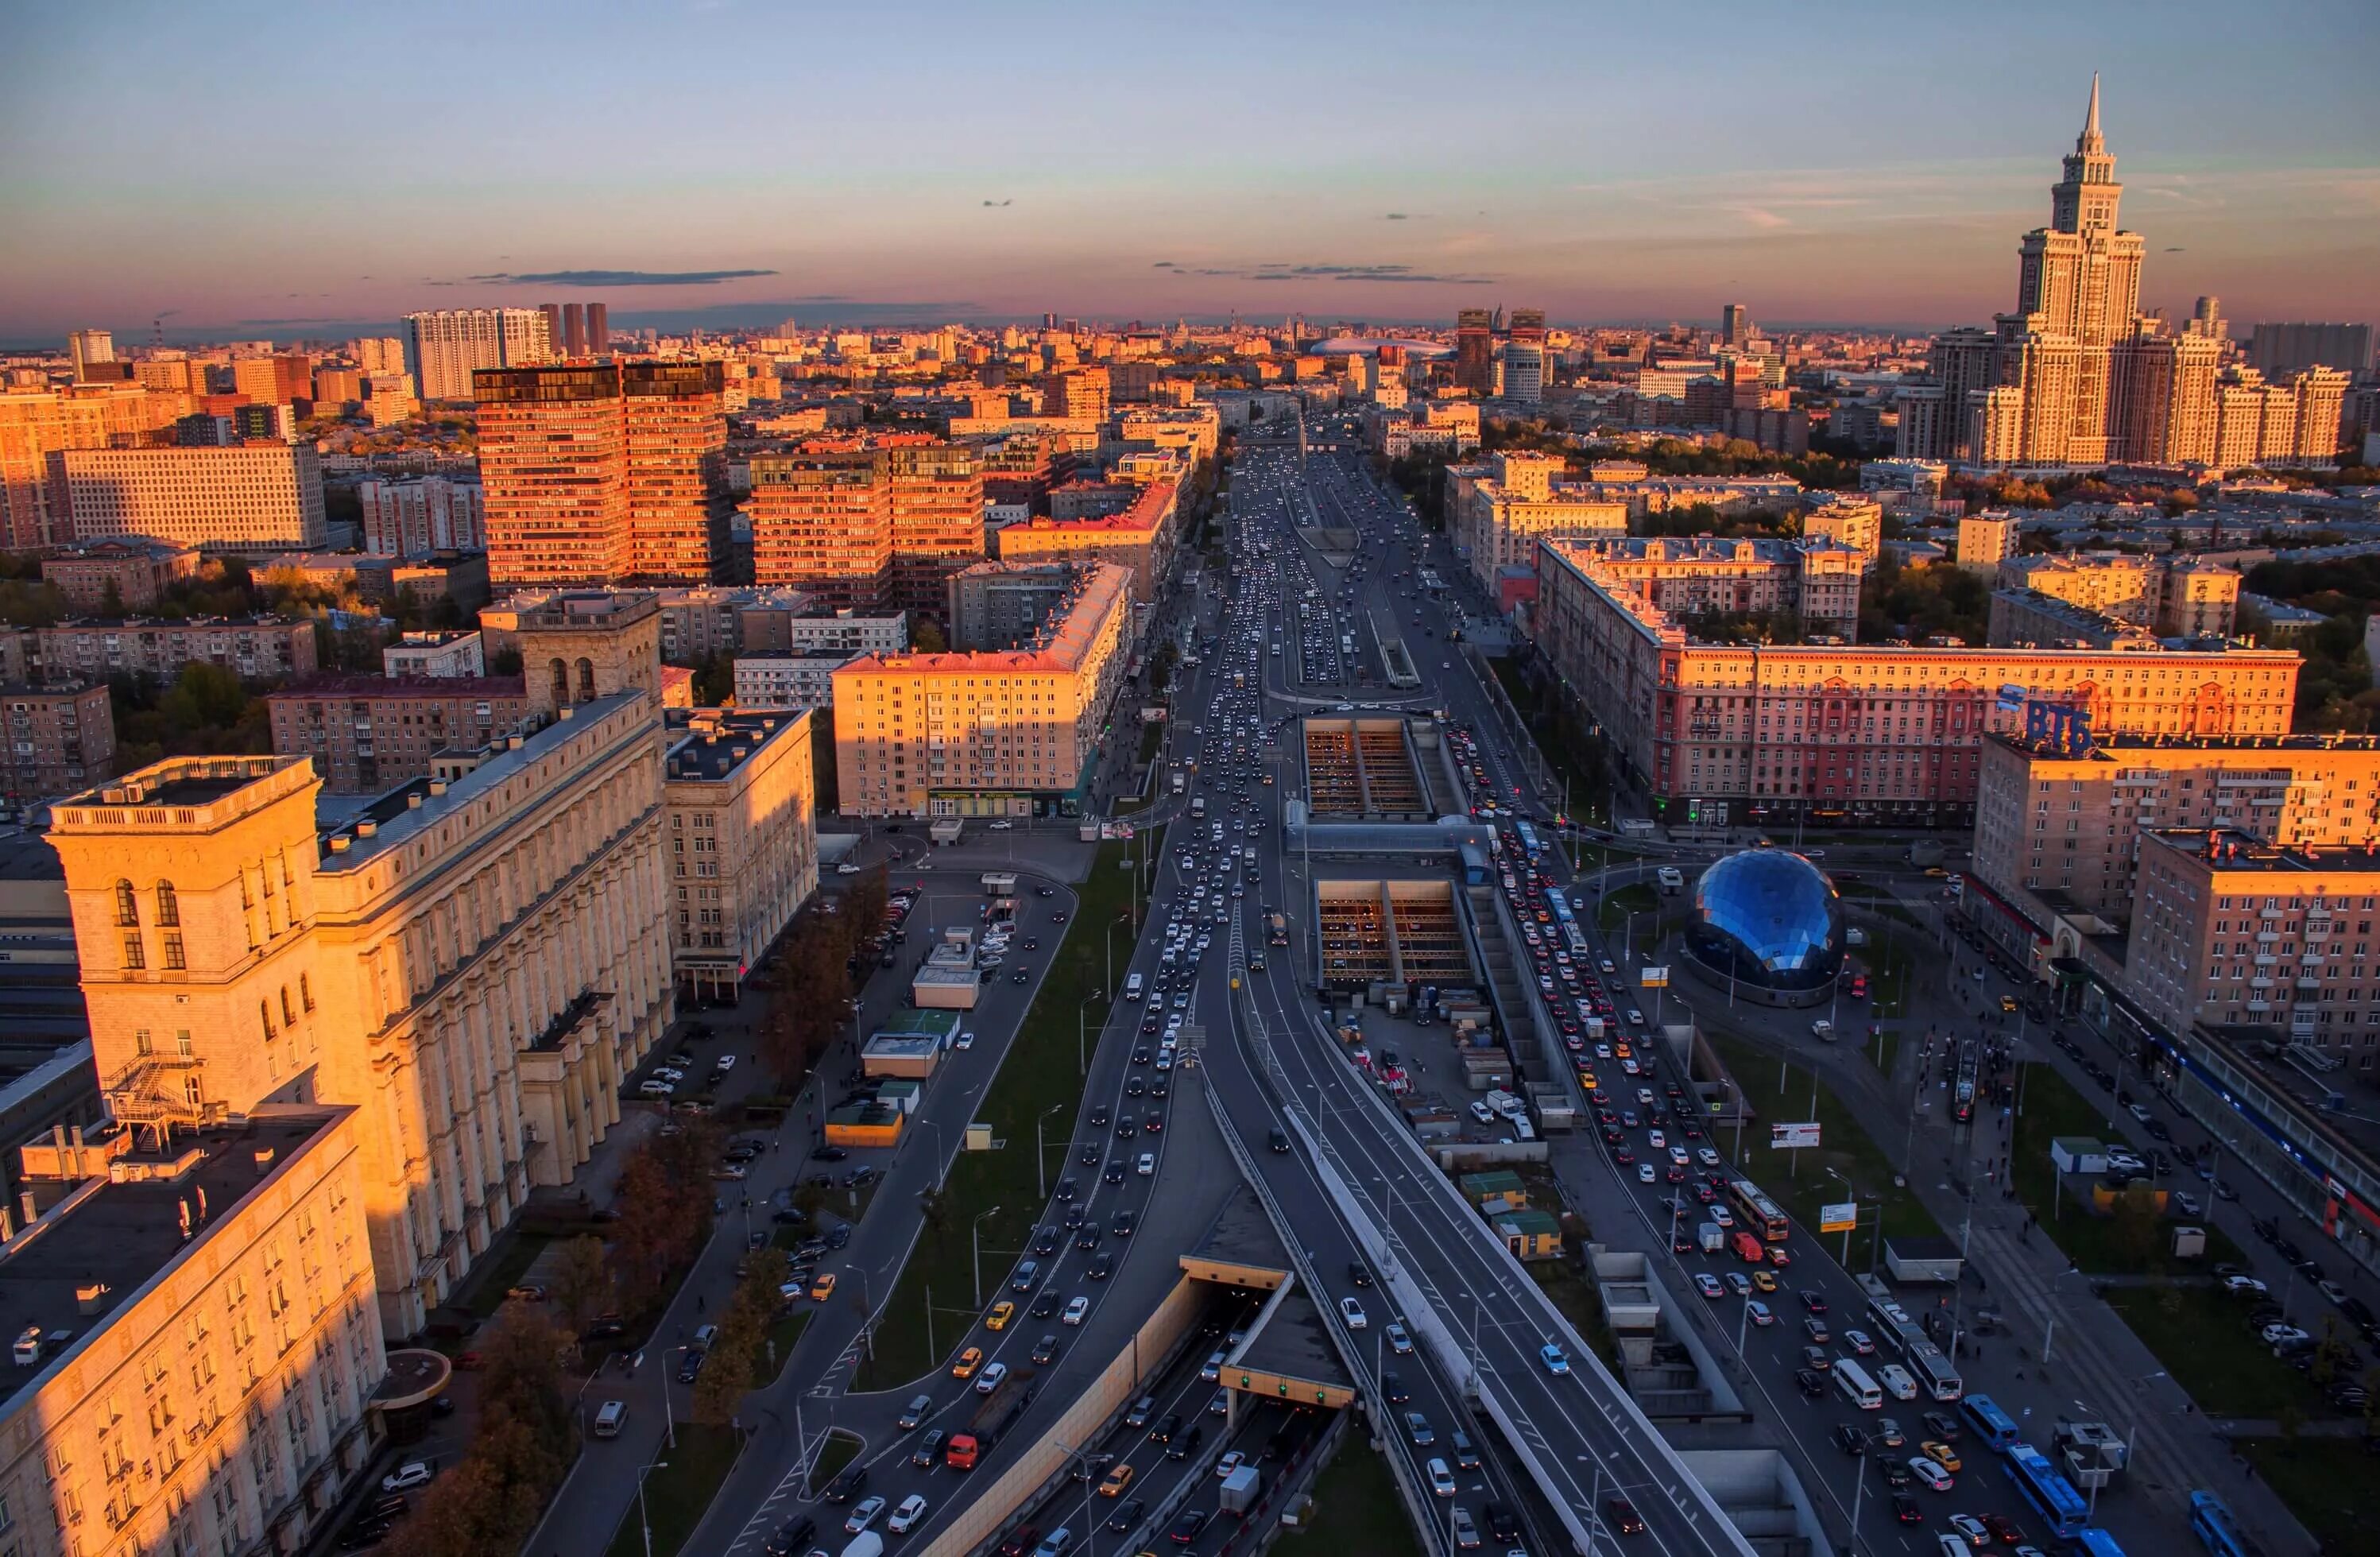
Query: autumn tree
<point>735,1362</point>
<point>582,1281</point>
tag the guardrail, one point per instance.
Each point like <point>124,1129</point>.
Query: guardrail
<point>1420,1510</point>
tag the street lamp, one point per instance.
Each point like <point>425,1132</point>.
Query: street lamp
<point>1040,1159</point>
<point>642,1518</point>
<point>1081,1032</point>
<point>975,1240</point>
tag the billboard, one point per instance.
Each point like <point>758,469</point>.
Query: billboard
<point>1839,1218</point>
<point>1656,978</point>
<point>1782,1138</point>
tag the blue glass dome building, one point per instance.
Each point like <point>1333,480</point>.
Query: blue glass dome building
<point>1769,922</point>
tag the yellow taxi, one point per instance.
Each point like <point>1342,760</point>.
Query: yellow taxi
<point>822,1288</point>
<point>1940,1453</point>
<point>1001,1314</point>
<point>969,1360</point>
<point>2008,1003</point>
<point>1115,1482</point>
<point>1764,1280</point>
<point>1586,1080</point>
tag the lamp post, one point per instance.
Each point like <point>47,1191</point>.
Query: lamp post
<point>975,1242</point>
<point>2132,1432</point>
<point>642,1518</point>
<point>1081,1032</point>
<point>1041,1158</point>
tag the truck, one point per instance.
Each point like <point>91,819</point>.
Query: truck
<point>1199,806</point>
<point>868,1543</point>
<point>1748,1247</point>
<point>1277,930</point>
<point>1240,1490</point>
<point>1712,1236</point>
<point>1181,781</point>
<point>993,1415</point>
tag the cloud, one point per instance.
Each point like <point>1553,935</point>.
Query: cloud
<point>1362,273</point>
<point>1401,216</point>
<point>610,278</point>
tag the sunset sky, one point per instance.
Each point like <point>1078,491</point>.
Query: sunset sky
<point>260,170</point>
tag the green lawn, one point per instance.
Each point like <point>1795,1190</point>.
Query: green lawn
<point>2053,1108</point>
<point>1355,1505</point>
<point>2325,1481</point>
<point>1039,1071</point>
<point>1636,898</point>
<point>1848,1149</point>
<point>839,1450</point>
<point>494,1277</point>
<point>2201,1336</point>
<point>782,1336</point>
<point>677,1490</point>
<point>1152,735</point>
<point>1590,791</point>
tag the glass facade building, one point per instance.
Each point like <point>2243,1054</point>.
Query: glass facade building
<point>1770,922</point>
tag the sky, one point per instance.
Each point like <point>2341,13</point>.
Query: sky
<point>239,170</point>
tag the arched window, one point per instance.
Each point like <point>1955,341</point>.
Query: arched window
<point>586,681</point>
<point>128,905</point>
<point>560,673</point>
<point>169,906</point>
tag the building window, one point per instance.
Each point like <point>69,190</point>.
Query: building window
<point>128,905</point>
<point>135,955</point>
<point>169,906</point>
<point>173,958</point>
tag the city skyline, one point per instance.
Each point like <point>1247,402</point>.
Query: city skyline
<point>1308,167</point>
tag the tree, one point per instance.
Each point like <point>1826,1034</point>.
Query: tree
<point>111,600</point>
<point>714,681</point>
<point>2334,1355</point>
<point>926,635</point>
<point>2137,1222</point>
<point>582,1282</point>
<point>934,1210</point>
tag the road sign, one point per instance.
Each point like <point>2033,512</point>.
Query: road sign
<point>1655,976</point>
<point>1839,1218</point>
<point>1786,1136</point>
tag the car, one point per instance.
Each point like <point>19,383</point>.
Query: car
<point>691,1369</point>
<point>994,1375</point>
<point>1887,1432</point>
<point>1708,1285</point>
<point>1814,1301</point>
<point>2003,1529</point>
<point>1147,1165</point>
<point>1971,1529</point>
<point>1622,1516</point>
<point>1849,1439</point>
<point>1441,1480</point>
<point>1352,1312</point>
<point>1817,1360</point>
<point>1941,1424</point>
<point>526,1292</point>
<point>411,1474</point>
<point>1859,1343</point>
<point>1646,1174</point>
<point>1417,1427</point>
<point>968,1362</point>
<point>1002,1312</point>
<point>1556,1360</point>
<point>847,1486</point>
<point>1186,1525</point>
<point>1118,1477</point>
<point>863,1514</point>
<point>1763,1281</point>
<point>1738,1284</point>
<point>1940,1453</point>
<point>1393,1387</point>
<point>1934,1475</point>
<point>1815,1329</point>
<point>1905,1509</point>
<point>1076,1309</point>
<point>1896,1473</point>
<point>906,1517</point>
<point>1810,1382</point>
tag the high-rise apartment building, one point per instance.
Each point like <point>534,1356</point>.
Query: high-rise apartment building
<point>1986,540</point>
<point>36,424</point>
<point>89,348</point>
<point>2161,398</point>
<point>379,354</point>
<point>603,473</point>
<point>419,515</point>
<point>474,963</point>
<point>446,347</point>
<point>1080,392</point>
<point>1009,732</point>
<point>1475,351</point>
<point>2279,350</point>
<point>598,329</point>
<point>54,740</point>
<point>256,496</point>
<point>867,523</point>
<point>1735,325</point>
<point>1140,538</point>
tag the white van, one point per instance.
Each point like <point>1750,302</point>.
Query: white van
<point>1131,987</point>
<point>1856,1386</point>
<point>1897,1382</point>
<point>608,1420</point>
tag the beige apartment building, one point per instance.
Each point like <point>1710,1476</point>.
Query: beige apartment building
<point>1011,732</point>
<point>2232,929</point>
<point>1986,540</point>
<point>2172,597</point>
<point>255,496</point>
<point>1502,509</point>
<point>1700,575</point>
<point>1847,519</point>
<point>140,571</point>
<point>196,1341</point>
<point>36,423</point>
<point>473,961</point>
<point>1141,539</point>
<point>253,648</point>
<point>742,839</point>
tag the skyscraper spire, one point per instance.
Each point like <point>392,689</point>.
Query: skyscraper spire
<point>2091,140</point>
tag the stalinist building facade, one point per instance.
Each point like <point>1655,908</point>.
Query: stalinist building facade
<point>471,965</point>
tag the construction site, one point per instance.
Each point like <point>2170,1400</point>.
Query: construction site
<point>1378,769</point>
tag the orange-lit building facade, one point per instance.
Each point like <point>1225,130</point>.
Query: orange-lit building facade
<point>1728,734</point>
<point>603,473</point>
<point>1141,539</point>
<point>872,523</point>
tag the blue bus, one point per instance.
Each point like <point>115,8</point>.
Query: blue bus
<point>2212,1522</point>
<point>1985,1415</point>
<point>2052,1496</point>
<point>1529,844</point>
<point>2096,1543</point>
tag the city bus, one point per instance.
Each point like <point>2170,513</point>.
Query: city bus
<point>2212,1522</point>
<point>1925,1362</point>
<point>2052,1496</point>
<point>2092,1541</point>
<point>1529,846</point>
<point>1983,1414</point>
<point>1758,1211</point>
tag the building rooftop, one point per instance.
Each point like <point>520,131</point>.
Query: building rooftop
<point>711,744</point>
<point>1100,589</point>
<point>118,1236</point>
<point>2117,749</point>
<point>2233,851</point>
<point>358,683</point>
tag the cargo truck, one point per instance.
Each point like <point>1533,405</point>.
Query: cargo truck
<point>994,1416</point>
<point>1179,781</point>
<point>1240,1490</point>
<point>1713,1237</point>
